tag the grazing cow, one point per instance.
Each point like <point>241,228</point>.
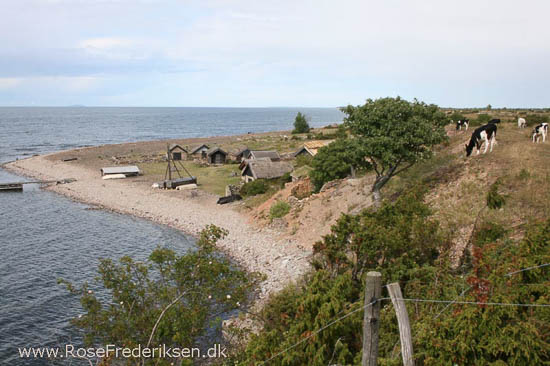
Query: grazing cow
<point>522,123</point>
<point>495,120</point>
<point>485,134</point>
<point>462,122</point>
<point>538,131</point>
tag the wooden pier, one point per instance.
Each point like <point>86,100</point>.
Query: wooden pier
<point>18,186</point>
<point>11,187</point>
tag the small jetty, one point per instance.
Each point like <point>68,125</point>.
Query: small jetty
<point>11,187</point>
<point>18,186</point>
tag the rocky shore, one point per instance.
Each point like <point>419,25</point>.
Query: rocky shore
<point>256,249</point>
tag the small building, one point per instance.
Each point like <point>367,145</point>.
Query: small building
<point>312,147</point>
<point>265,169</point>
<point>200,151</point>
<point>242,154</point>
<point>128,171</point>
<point>177,152</point>
<point>216,156</point>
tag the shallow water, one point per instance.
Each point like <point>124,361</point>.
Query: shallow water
<point>44,236</point>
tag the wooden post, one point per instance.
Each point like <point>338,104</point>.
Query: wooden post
<point>373,290</point>
<point>169,166</point>
<point>403,322</point>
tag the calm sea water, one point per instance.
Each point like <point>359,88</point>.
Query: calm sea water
<point>44,236</point>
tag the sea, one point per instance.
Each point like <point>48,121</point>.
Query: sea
<point>45,236</point>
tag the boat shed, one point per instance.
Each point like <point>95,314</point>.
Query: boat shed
<point>216,156</point>
<point>129,170</point>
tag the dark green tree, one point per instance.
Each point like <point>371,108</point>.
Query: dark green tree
<point>336,160</point>
<point>395,134</point>
<point>300,124</point>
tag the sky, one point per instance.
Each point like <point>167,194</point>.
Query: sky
<point>240,53</point>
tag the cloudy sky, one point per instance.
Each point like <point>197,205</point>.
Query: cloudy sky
<point>273,53</point>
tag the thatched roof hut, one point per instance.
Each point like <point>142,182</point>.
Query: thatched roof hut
<point>265,169</point>
<point>271,154</point>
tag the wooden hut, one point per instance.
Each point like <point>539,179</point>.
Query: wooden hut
<point>200,151</point>
<point>265,169</point>
<point>177,152</point>
<point>270,155</point>
<point>242,154</point>
<point>216,156</point>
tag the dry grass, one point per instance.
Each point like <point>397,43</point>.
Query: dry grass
<point>458,185</point>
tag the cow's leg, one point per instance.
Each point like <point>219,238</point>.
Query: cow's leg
<point>486,142</point>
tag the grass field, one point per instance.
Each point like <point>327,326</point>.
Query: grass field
<point>211,179</point>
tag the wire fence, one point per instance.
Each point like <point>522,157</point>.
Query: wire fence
<point>418,300</point>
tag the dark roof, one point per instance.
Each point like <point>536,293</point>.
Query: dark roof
<point>271,154</point>
<point>267,169</point>
<point>301,150</point>
<point>241,151</point>
<point>214,150</point>
<point>196,149</point>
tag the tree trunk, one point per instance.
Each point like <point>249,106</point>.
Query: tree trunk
<point>378,184</point>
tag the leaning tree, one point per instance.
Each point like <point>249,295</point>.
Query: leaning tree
<point>395,134</point>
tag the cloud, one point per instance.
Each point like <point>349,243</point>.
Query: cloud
<point>282,52</point>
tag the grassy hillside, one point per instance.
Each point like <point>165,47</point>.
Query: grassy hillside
<point>445,244</point>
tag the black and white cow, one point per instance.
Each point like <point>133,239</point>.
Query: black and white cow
<point>495,121</point>
<point>486,134</point>
<point>538,131</point>
<point>522,123</point>
<point>462,122</point>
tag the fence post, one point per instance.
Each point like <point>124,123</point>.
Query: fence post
<point>373,291</point>
<point>403,321</point>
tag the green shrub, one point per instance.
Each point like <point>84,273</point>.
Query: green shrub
<point>279,209</point>
<point>536,119</point>
<point>482,119</point>
<point>286,178</point>
<point>253,188</point>
<point>489,232</point>
<point>494,199</point>
<point>524,174</point>
<point>456,116</point>
<point>303,159</point>
<point>335,161</point>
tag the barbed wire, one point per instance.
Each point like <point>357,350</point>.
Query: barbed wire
<point>321,329</point>
<point>527,269</point>
<point>473,302</point>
